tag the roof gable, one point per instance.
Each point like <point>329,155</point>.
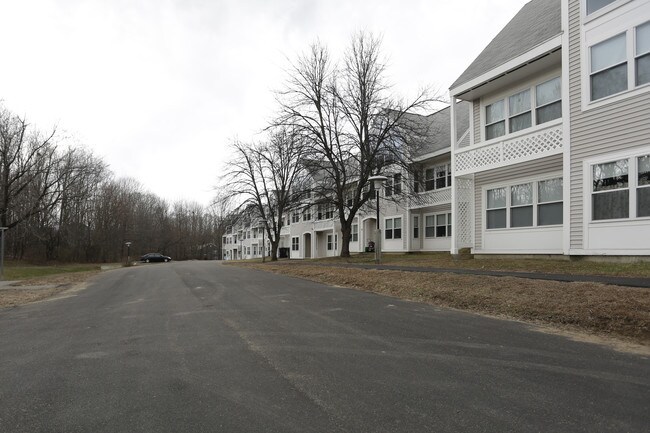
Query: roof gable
<point>537,22</point>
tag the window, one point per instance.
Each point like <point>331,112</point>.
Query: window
<point>393,228</point>
<point>320,214</point>
<point>520,114</point>
<point>329,212</point>
<point>355,233</point>
<point>495,124</point>
<point>416,227</point>
<point>416,180</point>
<point>443,176</point>
<point>521,205</point>
<point>610,197</point>
<point>496,208</point>
<point>594,5</point>
<point>255,250</point>
<point>429,179</point>
<point>515,112</point>
<point>295,216</point>
<point>254,233</point>
<point>617,184</point>
<point>608,68</point>
<point>397,183</point>
<point>642,54</point>
<point>330,242</point>
<point>295,244</point>
<point>306,214</point>
<point>548,101</point>
<point>437,225</point>
<point>528,204</point>
<point>549,198</point>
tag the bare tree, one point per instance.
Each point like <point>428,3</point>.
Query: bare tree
<point>353,126</point>
<point>266,177</point>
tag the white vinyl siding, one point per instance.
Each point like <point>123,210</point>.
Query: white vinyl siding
<point>618,126</point>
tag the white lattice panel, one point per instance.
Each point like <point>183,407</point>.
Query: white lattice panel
<point>431,198</point>
<point>545,141</point>
<point>521,148</point>
<point>464,216</point>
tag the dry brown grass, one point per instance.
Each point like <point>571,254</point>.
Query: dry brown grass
<point>596,308</point>
<point>22,292</point>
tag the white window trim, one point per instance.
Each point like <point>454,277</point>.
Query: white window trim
<point>435,224</point>
<point>632,186</point>
<point>393,217</point>
<point>534,180</point>
<point>298,243</point>
<point>433,167</point>
<point>625,16</point>
<point>600,12</point>
<point>504,94</point>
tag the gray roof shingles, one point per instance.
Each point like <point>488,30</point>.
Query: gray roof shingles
<point>537,22</point>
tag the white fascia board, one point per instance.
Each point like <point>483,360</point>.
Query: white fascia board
<point>432,154</point>
<point>539,50</point>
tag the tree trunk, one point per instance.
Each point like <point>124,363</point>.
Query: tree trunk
<point>346,234</point>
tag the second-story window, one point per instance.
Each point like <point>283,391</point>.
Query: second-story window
<point>515,112</point>
<point>329,212</point>
<point>548,101</point>
<point>594,5</point>
<point>495,123</point>
<point>642,54</point>
<point>608,67</point>
<point>295,216</point>
<point>520,116</point>
<point>306,214</point>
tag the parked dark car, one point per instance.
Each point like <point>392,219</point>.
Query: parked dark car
<point>155,257</point>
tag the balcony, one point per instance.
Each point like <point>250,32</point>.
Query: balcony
<point>527,145</point>
<point>430,198</point>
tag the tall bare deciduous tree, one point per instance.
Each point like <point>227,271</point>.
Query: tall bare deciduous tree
<point>352,125</point>
<point>267,178</point>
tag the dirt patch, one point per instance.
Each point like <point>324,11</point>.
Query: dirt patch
<point>602,310</point>
<point>37,289</point>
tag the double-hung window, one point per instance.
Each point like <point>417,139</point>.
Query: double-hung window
<point>529,204</point>
<point>614,67</point>
<point>548,101</point>
<point>295,216</point>
<point>642,54</point>
<point>393,228</point>
<point>496,208</point>
<point>306,214</point>
<point>521,205</point>
<point>608,67</point>
<point>437,177</point>
<point>520,116</point>
<point>621,189</point>
<point>416,227</point>
<point>330,242</point>
<point>516,113</point>
<point>397,183</point>
<point>437,225</point>
<point>495,123</point>
<point>594,5</point>
<point>295,243</point>
<point>429,179</point>
<point>355,233</point>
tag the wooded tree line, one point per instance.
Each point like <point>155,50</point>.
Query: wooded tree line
<point>338,123</point>
<point>61,202</point>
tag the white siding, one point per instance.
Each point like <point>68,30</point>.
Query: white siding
<point>505,175</point>
<point>618,126</point>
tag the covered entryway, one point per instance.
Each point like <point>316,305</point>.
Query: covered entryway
<point>306,242</point>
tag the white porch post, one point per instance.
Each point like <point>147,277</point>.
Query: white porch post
<point>454,205</point>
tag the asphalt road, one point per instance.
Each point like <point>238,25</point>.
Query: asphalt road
<point>202,347</point>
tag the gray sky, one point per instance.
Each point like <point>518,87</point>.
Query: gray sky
<point>158,88</point>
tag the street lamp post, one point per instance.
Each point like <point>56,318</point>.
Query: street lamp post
<point>263,222</point>
<point>2,252</point>
<point>128,252</point>
<point>377,182</point>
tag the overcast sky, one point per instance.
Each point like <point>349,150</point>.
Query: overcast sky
<point>158,88</point>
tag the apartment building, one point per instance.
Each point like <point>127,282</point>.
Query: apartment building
<point>557,160</point>
<point>416,218</point>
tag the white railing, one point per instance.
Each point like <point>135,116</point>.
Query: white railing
<point>431,198</point>
<point>521,147</point>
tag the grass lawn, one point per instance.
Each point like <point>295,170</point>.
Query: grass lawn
<point>556,266</point>
<point>22,271</point>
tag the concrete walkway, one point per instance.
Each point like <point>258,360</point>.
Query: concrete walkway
<point>612,280</point>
